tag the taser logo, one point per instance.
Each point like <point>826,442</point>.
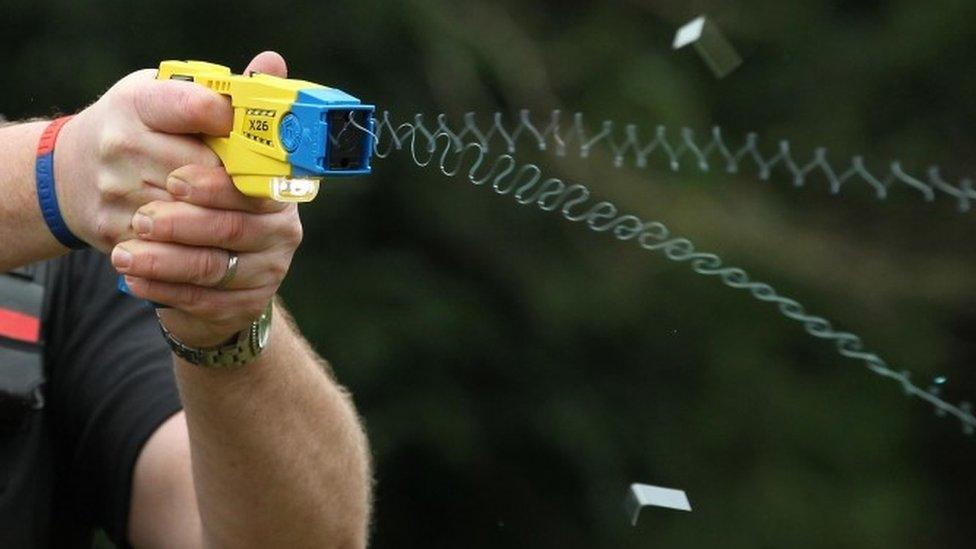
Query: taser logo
<point>290,132</point>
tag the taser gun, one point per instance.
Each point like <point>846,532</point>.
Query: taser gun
<point>288,134</point>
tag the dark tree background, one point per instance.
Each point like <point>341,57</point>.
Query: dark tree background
<point>517,372</point>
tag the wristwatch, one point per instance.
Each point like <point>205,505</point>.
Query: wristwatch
<point>242,349</point>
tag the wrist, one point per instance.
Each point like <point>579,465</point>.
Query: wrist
<point>21,220</point>
<point>67,167</point>
<point>194,331</point>
<point>243,347</point>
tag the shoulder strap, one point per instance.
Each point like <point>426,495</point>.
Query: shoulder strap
<point>21,344</point>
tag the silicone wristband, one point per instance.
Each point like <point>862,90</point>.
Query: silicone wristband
<point>47,198</point>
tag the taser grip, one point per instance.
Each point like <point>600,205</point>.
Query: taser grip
<point>287,135</point>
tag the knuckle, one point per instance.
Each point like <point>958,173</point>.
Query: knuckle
<point>277,270</point>
<point>203,194</point>
<point>212,183</point>
<point>115,143</point>
<point>149,263</point>
<point>142,98</point>
<point>232,226</point>
<point>105,229</point>
<point>149,287</point>
<point>265,206</point>
<point>163,227</point>
<point>208,269</point>
<point>206,157</point>
<point>128,88</point>
<point>110,189</point>
<point>191,295</point>
<point>286,226</point>
<point>293,233</point>
<point>197,106</point>
<point>188,174</point>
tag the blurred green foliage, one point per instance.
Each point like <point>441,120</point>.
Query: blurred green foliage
<point>515,372</point>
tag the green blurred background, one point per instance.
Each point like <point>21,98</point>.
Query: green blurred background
<point>515,372</point>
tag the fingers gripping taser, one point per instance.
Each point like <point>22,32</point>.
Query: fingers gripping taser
<point>288,134</point>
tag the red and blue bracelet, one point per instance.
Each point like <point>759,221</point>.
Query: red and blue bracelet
<point>46,195</point>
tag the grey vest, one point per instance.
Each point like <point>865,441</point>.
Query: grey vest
<point>21,344</point>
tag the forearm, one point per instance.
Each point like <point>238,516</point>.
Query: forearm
<point>24,238</point>
<point>279,457</point>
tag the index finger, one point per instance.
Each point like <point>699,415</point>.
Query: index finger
<point>175,106</point>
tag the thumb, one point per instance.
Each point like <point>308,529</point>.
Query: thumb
<point>268,62</point>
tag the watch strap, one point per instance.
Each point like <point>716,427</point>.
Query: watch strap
<point>242,349</point>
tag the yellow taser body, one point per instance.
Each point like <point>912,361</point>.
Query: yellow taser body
<point>288,134</point>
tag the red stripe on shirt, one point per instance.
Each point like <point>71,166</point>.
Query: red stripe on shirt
<point>19,326</point>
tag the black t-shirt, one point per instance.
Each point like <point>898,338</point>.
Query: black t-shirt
<point>110,384</point>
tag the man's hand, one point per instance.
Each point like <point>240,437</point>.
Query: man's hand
<point>182,252</point>
<point>117,154</point>
<point>175,248</point>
